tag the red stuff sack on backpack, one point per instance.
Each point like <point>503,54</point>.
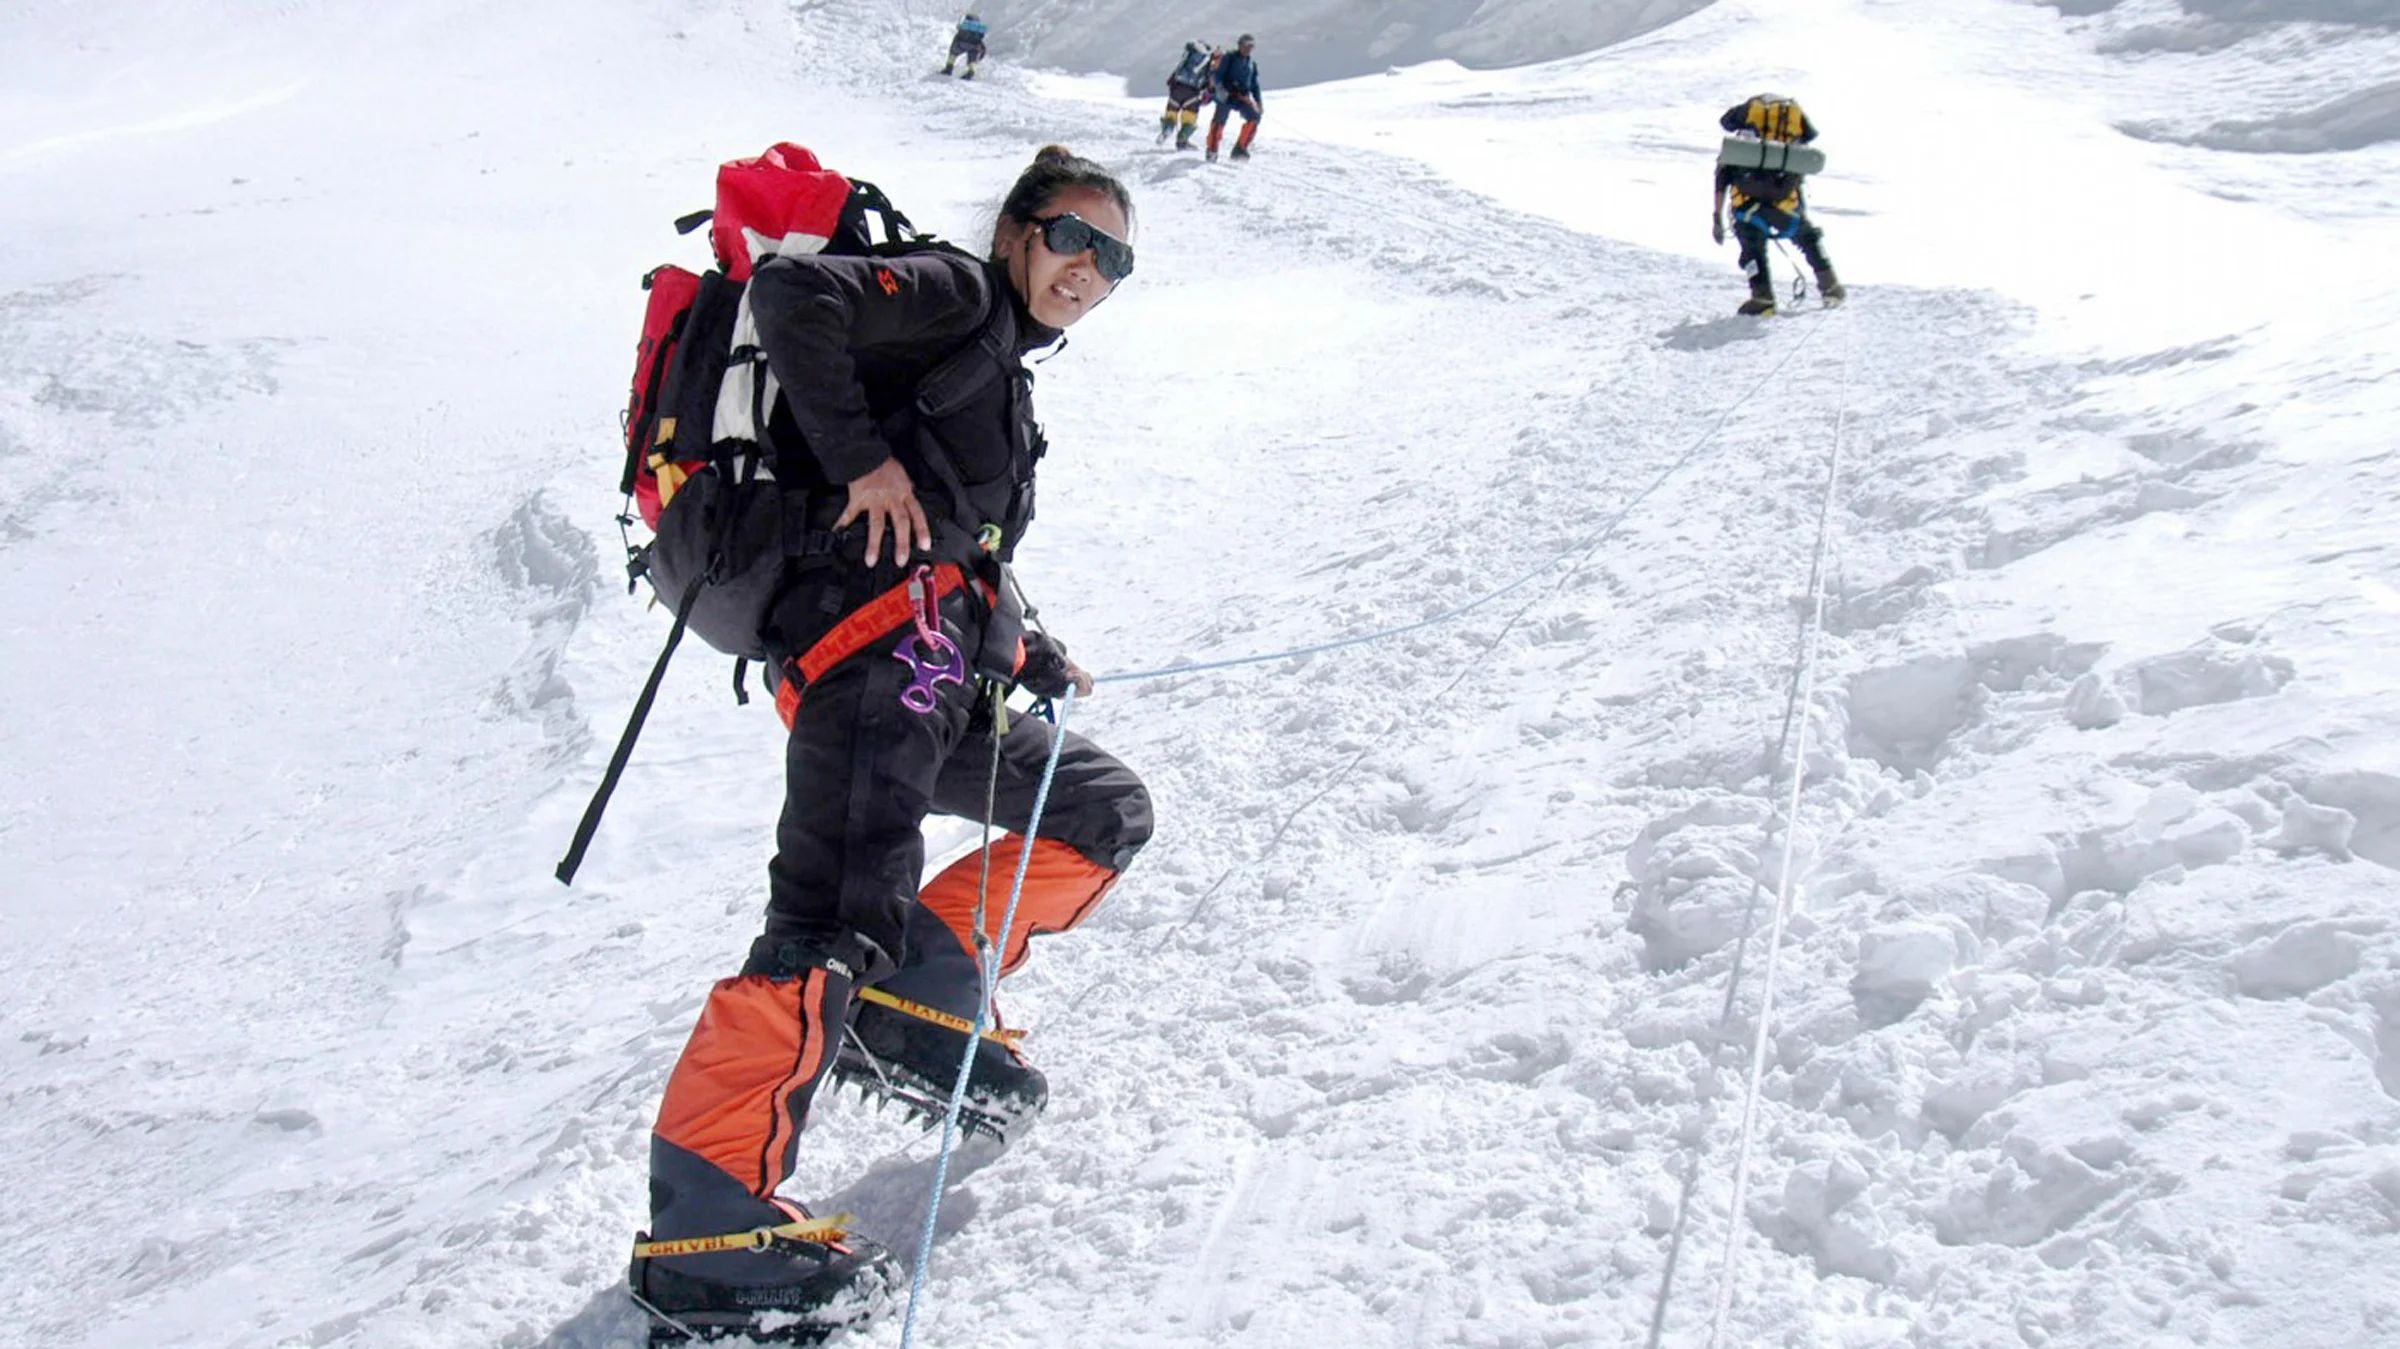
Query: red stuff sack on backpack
<point>671,290</point>
<point>783,201</point>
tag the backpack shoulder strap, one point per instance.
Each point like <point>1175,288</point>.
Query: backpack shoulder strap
<point>976,361</point>
<point>688,420</point>
<point>950,384</point>
<point>968,371</point>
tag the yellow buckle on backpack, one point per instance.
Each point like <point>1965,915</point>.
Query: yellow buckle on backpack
<point>670,474</point>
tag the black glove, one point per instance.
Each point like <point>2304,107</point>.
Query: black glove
<point>1045,671</point>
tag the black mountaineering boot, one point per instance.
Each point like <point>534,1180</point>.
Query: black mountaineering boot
<point>793,1287</point>
<point>839,1286</point>
<point>725,1253</point>
<point>906,1059</point>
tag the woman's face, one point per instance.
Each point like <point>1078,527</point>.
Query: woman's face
<point>1061,288</point>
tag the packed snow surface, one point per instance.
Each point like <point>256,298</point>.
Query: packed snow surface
<point>1428,1017</point>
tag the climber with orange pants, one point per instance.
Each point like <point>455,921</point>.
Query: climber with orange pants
<point>904,417</point>
<point>1238,90</point>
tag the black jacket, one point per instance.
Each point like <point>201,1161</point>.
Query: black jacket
<point>917,357</point>
<point>1238,74</point>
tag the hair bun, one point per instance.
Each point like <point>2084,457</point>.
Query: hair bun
<point>1053,154</point>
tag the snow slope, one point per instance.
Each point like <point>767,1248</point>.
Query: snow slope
<point>1304,41</point>
<point>1411,1026</point>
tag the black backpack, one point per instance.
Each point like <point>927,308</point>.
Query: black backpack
<point>1194,69</point>
<point>696,421</point>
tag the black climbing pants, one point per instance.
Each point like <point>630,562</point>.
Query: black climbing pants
<point>1755,224</point>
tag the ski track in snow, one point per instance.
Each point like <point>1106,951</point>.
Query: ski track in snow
<point>2087,1029</point>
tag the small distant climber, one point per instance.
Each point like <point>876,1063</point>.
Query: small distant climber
<point>1237,90</point>
<point>1189,85</point>
<point>967,42</point>
<point>1770,204</point>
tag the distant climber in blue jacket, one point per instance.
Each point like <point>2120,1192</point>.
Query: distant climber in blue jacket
<point>967,42</point>
<point>1238,91</point>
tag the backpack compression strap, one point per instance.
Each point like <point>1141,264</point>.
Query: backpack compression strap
<point>1777,119</point>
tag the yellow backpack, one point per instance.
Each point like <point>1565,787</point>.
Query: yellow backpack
<point>1764,153</point>
<point>1775,119</point>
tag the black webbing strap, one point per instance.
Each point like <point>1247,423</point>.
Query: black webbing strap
<point>590,824</point>
<point>868,197</point>
<point>943,390</point>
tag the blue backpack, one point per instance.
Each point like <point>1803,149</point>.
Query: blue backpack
<point>1194,70</point>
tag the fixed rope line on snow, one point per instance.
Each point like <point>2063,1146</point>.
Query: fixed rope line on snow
<point>1587,548</point>
<point>1801,668</point>
<point>1800,692</point>
<point>1783,882</point>
<point>1799,277</point>
<point>1733,985</point>
<point>983,1015</point>
<point>1791,706</point>
<point>1581,550</point>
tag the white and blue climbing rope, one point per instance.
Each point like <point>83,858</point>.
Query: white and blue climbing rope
<point>983,1016</point>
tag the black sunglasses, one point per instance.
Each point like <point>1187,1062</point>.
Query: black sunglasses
<point>1068,234</point>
